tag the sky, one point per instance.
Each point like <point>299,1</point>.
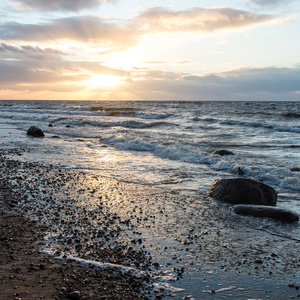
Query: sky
<point>150,50</point>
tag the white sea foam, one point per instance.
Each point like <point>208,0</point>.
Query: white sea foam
<point>100,265</point>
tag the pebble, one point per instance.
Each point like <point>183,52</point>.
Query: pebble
<point>74,295</point>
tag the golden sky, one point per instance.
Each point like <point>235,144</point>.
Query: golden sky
<point>138,50</point>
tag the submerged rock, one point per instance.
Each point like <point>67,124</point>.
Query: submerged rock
<point>35,131</point>
<point>223,152</point>
<point>238,171</point>
<point>243,191</point>
<point>266,211</point>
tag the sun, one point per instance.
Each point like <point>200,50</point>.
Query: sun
<point>101,81</point>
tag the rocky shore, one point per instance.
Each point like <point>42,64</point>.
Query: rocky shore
<point>49,215</point>
<point>28,273</point>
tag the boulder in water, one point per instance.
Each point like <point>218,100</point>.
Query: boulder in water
<point>243,191</point>
<point>35,131</point>
<point>266,212</point>
<point>223,152</point>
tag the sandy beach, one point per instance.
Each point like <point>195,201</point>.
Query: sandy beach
<point>50,215</point>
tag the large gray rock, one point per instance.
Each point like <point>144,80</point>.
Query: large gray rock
<point>243,191</point>
<point>266,212</point>
<point>35,131</point>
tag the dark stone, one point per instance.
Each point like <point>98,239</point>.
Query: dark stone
<point>296,169</point>
<point>238,171</point>
<point>223,152</point>
<point>243,191</point>
<point>35,131</point>
<point>50,125</point>
<point>74,295</point>
<point>266,212</point>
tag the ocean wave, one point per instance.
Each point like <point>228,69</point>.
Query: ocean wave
<point>126,124</point>
<point>206,119</point>
<point>154,116</point>
<point>112,109</point>
<point>291,115</point>
<point>171,151</point>
<point>120,113</point>
<point>262,125</point>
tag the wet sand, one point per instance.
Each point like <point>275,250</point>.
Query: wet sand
<point>48,213</point>
<point>26,273</point>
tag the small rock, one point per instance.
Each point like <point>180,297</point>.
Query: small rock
<point>258,261</point>
<point>238,171</point>
<point>266,212</point>
<point>223,152</point>
<point>35,131</point>
<point>74,295</point>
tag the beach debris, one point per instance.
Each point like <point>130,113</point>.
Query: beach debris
<point>35,131</point>
<point>266,211</point>
<point>243,191</point>
<point>223,152</point>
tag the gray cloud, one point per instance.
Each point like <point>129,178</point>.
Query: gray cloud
<point>72,5</point>
<point>199,19</point>
<point>29,51</point>
<point>269,2</point>
<point>121,34</point>
<point>241,84</point>
<point>81,29</point>
<point>34,66</point>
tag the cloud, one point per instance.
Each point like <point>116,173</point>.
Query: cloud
<point>81,29</point>
<point>115,35</point>
<point>144,84</point>
<point>269,2</point>
<point>239,84</point>
<point>72,5</point>
<point>199,19</point>
<point>32,66</point>
<point>27,50</point>
<point>125,33</point>
<point>154,62</point>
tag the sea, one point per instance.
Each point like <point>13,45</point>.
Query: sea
<point>167,144</point>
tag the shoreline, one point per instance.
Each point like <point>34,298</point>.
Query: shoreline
<point>114,222</point>
<point>26,273</point>
<point>29,273</point>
